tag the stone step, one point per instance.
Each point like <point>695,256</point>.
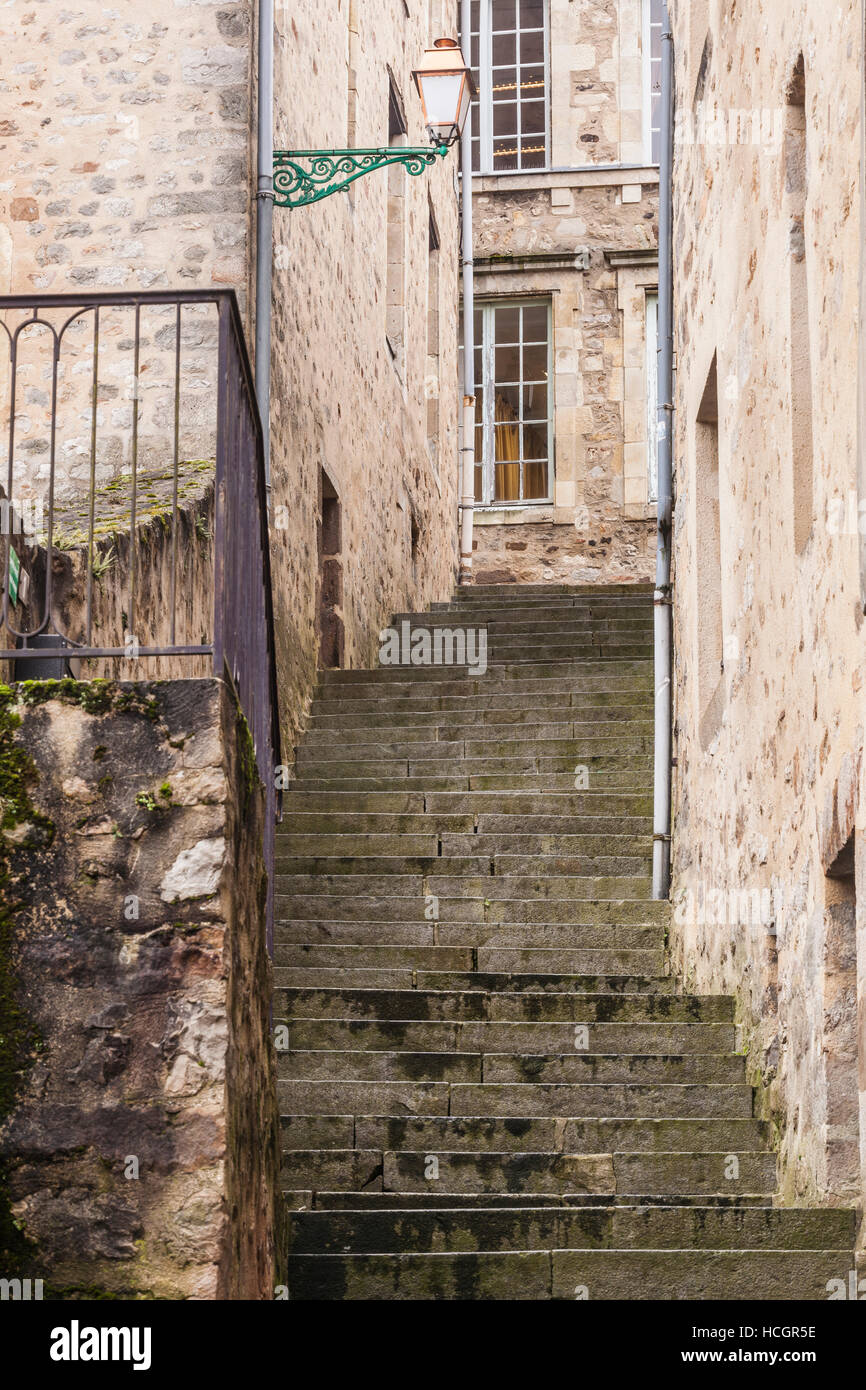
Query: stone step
<point>506,677</point>
<point>597,709</point>
<point>380,976</point>
<point>569,1069</point>
<point>337,750</point>
<point>598,1274</point>
<point>607,829</point>
<point>478,1133</point>
<point>558,1227</point>
<point>536,936</point>
<point>530,982</point>
<point>464,1171</point>
<point>627,872</point>
<point>350,906</point>
<point>437,880</point>
<point>367,844</point>
<point>441,725</point>
<point>635,764</point>
<point>503,1099</point>
<point>541,783</point>
<point>298,1199</point>
<point>520,1038</point>
<point>501,1007</point>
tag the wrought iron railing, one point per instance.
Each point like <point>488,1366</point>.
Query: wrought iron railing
<point>135,516</point>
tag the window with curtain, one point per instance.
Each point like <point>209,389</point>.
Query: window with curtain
<point>513,403</point>
<point>509,60</point>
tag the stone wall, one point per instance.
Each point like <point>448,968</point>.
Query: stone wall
<point>769,795</point>
<point>139,1126</point>
<point>342,401</point>
<point>583,233</point>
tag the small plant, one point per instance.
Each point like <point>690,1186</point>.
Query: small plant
<point>145,800</point>
<point>165,791</point>
<point>101,564</point>
<point>201,528</point>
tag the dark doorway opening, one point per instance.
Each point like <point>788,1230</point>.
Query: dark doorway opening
<point>329,536</point>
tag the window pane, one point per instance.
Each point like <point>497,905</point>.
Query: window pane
<point>507,402</point>
<point>535,403</point>
<point>508,364</point>
<point>535,441</point>
<point>505,84</point>
<point>535,323</point>
<point>507,484</point>
<point>535,363</point>
<point>504,118</point>
<point>532,153</point>
<point>505,154</point>
<point>478,493</point>
<point>504,50</point>
<point>504,14</point>
<point>532,117</point>
<point>535,486</point>
<point>532,47</point>
<point>531,14</point>
<point>508,325</point>
<point>531,82</point>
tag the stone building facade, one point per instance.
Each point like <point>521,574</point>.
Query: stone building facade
<point>129,156</point>
<point>565,209</point>
<point>770,796</point>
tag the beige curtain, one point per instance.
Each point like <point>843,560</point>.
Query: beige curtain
<point>507,437</point>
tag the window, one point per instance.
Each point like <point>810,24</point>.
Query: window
<point>651,42</point>
<point>509,61</point>
<point>513,405</point>
<point>652,392</point>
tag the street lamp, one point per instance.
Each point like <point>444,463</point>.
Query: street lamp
<point>446,89</point>
<point>444,84</point>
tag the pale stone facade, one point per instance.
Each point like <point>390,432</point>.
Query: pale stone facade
<point>580,233</point>
<point>770,659</point>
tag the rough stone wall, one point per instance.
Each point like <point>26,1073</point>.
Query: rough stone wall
<point>586,236</point>
<point>139,1130</point>
<point>768,618</point>
<point>340,402</point>
<point>125,139</point>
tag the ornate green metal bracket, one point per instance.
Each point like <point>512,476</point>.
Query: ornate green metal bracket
<point>306,176</point>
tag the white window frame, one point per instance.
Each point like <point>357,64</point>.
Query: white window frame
<point>482,107</point>
<point>651,321</point>
<point>646,81</point>
<point>487,345</point>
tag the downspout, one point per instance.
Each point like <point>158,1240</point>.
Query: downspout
<point>467,470</point>
<point>663,598</point>
<point>265,221</point>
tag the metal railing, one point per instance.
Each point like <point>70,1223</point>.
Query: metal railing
<point>134,435</point>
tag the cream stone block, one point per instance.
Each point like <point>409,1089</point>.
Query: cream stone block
<point>631,192</point>
<point>634,460</point>
<point>634,491</point>
<point>564,493</point>
<point>561,199</point>
<point>583,57</point>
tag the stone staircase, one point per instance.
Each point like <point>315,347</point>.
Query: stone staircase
<point>494,1088</point>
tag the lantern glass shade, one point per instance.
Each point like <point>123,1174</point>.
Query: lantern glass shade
<point>445,87</point>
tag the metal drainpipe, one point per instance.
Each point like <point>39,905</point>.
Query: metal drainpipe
<point>662,607</point>
<point>467,469</point>
<point>265,221</point>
